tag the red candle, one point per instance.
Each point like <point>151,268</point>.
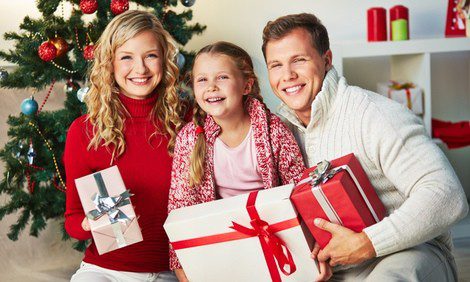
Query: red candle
<point>376,24</point>
<point>399,12</point>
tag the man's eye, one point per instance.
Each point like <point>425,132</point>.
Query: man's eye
<point>274,66</point>
<point>297,60</point>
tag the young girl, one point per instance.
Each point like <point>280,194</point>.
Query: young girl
<point>133,114</point>
<point>234,144</point>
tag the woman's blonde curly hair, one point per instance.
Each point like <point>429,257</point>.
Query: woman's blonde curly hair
<point>105,111</point>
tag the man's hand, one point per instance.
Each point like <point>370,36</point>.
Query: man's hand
<point>325,269</point>
<point>345,247</point>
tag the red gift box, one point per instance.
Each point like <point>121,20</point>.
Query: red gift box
<point>339,192</point>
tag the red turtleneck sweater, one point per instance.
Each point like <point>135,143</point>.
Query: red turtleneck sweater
<point>145,168</point>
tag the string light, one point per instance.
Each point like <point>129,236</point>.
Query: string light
<point>63,69</point>
<point>47,96</point>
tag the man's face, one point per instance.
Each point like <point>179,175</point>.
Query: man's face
<point>296,71</point>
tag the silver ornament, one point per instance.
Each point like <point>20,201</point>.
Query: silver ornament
<point>3,74</point>
<point>31,154</point>
<point>180,61</point>
<point>81,93</point>
<point>188,3</point>
<point>20,148</point>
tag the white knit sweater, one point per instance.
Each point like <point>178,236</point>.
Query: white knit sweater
<point>411,175</point>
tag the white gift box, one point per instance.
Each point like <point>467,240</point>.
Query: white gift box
<point>412,98</point>
<point>218,241</point>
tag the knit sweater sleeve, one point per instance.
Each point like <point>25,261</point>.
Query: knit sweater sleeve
<point>180,192</point>
<point>75,166</point>
<point>287,153</point>
<point>398,145</point>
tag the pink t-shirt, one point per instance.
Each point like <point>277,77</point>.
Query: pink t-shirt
<point>236,169</point>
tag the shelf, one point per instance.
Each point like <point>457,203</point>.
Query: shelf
<point>441,65</point>
<point>356,49</point>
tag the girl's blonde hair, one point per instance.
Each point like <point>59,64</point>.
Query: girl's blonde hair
<point>243,62</point>
<point>105,111</point>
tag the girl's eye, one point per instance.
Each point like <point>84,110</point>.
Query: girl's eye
<point>201,79</point>
<point>223,77</point>
<point>126,58</point>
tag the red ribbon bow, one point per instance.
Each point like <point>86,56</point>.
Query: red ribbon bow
<point>274,248</point>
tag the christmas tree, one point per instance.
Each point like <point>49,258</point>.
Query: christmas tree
<point>47,50</point>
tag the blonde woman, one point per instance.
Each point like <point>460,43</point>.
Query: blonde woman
<point>133,114</point>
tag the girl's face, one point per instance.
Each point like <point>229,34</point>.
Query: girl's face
<point>138,65</point>
<point>219,86</point>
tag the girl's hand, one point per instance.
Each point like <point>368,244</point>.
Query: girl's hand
<point>85,224</point>
<point>181,275</point>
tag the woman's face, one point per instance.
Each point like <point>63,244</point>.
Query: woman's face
<point>138,65</point>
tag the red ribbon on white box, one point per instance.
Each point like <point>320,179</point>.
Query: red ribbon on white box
<point>321,175</point>
<point>274,249</point>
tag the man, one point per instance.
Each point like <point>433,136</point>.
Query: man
<point>411,175</point>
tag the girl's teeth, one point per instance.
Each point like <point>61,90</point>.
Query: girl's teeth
<point>214,99</point>
<point>293,89</point>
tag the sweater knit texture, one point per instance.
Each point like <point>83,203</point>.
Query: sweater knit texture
<point>279,159</point>
<point>411,175</point>
<point>145,168</point>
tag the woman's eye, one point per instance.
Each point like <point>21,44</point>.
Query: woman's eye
<point>223,77</point>
<point>126,57</point>
<point>152,56</point>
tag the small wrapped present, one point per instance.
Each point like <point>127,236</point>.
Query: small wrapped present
<point>339,192</point>
<point>250,237</point>
<point>407,94</point>
<point>108,207</point>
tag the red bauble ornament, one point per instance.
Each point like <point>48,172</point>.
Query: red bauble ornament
<point>119,6</point>
<point>47,51</point>
<point>61,45</point>
<point>88,6</point>
<point>88,52</point>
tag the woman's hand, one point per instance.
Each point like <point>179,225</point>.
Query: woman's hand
<point>85,224</point>
<point>181,275</point>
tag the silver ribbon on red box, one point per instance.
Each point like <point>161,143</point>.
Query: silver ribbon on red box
<point>320,175</point>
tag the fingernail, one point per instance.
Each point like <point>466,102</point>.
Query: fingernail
<point>316,221</point>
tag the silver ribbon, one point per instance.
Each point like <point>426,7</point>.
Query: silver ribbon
<point>110,205</point>
<point>322,173</point>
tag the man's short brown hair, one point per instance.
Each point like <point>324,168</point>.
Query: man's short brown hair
<point>282,26</point>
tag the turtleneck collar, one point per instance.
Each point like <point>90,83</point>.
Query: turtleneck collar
<point>138,108</point>
<point>321,105</point>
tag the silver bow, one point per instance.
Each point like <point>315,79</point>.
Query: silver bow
<point>110,206</point>
<point>322,173</point>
